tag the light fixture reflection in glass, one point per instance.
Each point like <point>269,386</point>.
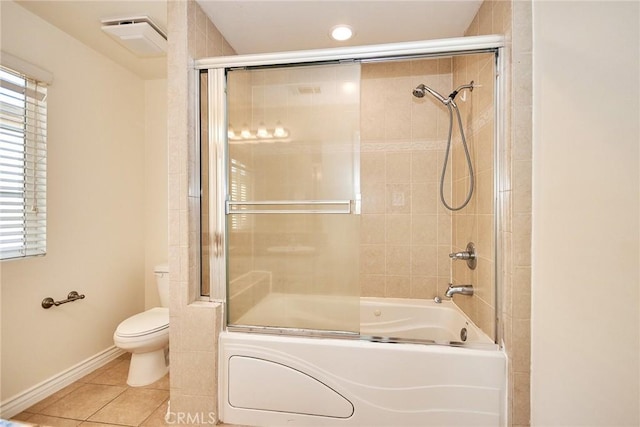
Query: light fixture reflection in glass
<point>280,132</point>
<point>245,133</point>
<point>262,134</point>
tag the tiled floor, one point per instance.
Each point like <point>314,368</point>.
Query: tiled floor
<point>102,399</point>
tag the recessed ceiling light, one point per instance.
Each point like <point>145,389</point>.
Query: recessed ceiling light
<point>341,32</point>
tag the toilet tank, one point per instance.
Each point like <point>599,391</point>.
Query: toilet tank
<point>162,281</point>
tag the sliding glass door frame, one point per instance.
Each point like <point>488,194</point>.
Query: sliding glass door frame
<point>216,69</point>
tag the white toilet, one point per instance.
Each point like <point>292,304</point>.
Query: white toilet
<point>146,337</point>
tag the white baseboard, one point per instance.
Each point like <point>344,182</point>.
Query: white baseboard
<point>18,403</point>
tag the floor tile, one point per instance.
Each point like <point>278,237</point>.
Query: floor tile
<point>132,407</point>
<point>38,407</point>
<point>44,420</point>
<point>161,384</point>
<point>92,424</point>
<point>89,377</point>
<point>156,419</point>
<point>23,416</point>
<point>116,375</point>
<point>102,399</point>
<point>81,403</point>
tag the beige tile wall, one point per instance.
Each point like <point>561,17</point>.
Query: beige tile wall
<point>475,222</point>
<point>405,233</point>
<point>513,19</point>
<point>518,306</point>
<point>195,325</point>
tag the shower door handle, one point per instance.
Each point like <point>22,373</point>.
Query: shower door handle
<point>287,207</point>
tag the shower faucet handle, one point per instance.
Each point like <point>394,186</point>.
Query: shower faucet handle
<point>462,255</point>
<point>468,255</point>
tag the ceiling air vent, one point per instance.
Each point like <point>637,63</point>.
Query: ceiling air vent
<point>138,34</point>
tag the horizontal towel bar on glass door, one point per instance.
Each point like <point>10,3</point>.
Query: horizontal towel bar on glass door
<point>303,207</point>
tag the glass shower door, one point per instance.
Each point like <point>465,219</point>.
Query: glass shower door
<point>293,197</point>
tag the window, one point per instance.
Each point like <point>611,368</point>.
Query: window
<point>23,165</point>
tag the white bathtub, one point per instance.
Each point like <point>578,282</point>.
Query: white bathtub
<point>420,320</point>
<point>268,380</point>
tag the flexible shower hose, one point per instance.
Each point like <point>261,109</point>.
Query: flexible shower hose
<point>446,160</point>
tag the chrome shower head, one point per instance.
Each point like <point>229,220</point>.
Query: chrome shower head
<point>421,90</point>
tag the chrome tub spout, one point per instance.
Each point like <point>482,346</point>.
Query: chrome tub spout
<point>459,289</point>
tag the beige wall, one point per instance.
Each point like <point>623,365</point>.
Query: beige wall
<point>585,325</point>
<point>155,196</point>
<point>96,149</point>
<point>405,232</point>
<point>94,245</point>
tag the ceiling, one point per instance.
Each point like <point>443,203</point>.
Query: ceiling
<point>265,26</point>
<point>272,26</point>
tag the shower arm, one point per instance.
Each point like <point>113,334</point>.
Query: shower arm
<point>422,89</point>
<point>453,94</point>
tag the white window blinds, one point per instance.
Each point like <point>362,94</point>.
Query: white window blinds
<point>23,165</point>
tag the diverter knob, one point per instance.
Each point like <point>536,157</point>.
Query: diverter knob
<point>468,255</point>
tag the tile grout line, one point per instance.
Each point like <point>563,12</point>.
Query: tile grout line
<point>153,412</point>
<point>114,398</point>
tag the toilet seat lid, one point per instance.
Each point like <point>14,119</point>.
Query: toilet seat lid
<point>144,323</point>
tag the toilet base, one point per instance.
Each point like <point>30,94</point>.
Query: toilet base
<point>147,368</point>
